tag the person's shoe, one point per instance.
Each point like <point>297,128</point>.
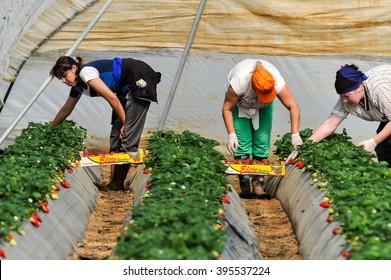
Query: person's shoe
<point>110,186</point>
<point>258,191</point>
<point>245,193</point>
<point>245,189</point>
<point>118,180</point>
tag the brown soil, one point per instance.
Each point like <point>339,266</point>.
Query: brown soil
<point>105,222</point>
<point>272,227</point>
<point>270,222</point>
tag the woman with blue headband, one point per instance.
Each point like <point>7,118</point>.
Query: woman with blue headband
<point>367,96</point>
<point>127,84</point>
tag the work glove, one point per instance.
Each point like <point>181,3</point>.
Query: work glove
<point>292,156</point>
<point>296,139</point>
<point>368,145</point>
<point>232,143</point>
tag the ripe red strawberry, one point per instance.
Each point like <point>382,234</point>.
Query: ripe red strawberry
<point>34,221</point>
<point>226,200</point>
<point>147,186</point>
<point>335,230</point>
<point>37,217</point>
<point>2,253</point>
<point>299,164</point>
<point>65,184</point>
<point>45,209</point>
<point>70,170</point>
<point>145,170</point>
<point>329,219</point>
<point>226,161</point>
<point>245,161</point>
<point>346,254</point>
<point>325,204</point>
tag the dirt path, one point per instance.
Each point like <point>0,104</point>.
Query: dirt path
<point>273,229</point>
<point>105,226</point>
<point>271,226</point>
<point>270,222</point>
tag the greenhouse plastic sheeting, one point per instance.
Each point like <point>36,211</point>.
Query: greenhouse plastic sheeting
<point>241,243</point>
<point>273,27</point>
<point>300,201</point>
<point>26,24</point>
<point>63,226</point>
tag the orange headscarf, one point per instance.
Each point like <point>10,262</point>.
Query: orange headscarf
<point>263,83</point>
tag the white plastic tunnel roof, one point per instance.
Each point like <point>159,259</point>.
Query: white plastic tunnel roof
<point>306,40</point>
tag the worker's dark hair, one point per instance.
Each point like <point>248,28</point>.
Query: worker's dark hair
<point>65,63</point>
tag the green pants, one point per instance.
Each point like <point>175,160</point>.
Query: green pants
<point>254,142</point>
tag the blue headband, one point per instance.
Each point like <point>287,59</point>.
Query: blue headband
<point>348,78</point>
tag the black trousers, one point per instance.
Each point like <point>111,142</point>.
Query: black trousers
<point>383,150</point>
<point>135,115</point>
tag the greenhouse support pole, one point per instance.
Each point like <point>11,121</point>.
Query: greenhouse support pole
<point>181,66</point>
<point>6,96</point>
<point>49,79</point>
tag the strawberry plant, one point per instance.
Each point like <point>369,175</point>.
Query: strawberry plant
<point>30,167</point>
<point>358,191</point>
<point>181,214</point>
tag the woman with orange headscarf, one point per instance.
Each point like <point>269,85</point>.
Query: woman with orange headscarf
<point>247,111</point>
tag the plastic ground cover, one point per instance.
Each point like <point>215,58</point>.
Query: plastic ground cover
<point>300,201</point>
<point>65,224</point>
<point>68,218</point>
